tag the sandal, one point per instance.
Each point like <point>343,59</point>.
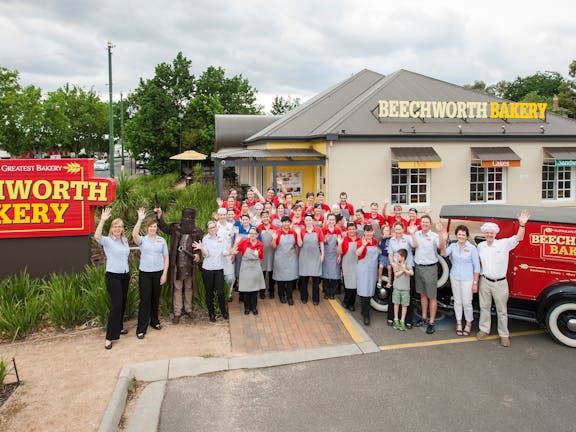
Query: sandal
<point>390,323</point>
<point>459,331</point>
<point>467,330</point>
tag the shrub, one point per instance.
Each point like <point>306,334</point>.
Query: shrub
<point>66,305</point>
<point>4,371</point>
<point>95,293</point>
<point>21,305</point>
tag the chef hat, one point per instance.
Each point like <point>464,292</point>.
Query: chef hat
<point>490,226</point>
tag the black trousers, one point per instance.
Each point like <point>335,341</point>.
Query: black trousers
<point>330,287</point>
<point>117,286</point>
<point>365,303</point>
<point>251,301</point>
<point>286,289</point>
<point>349,297</point>
<point>315,288</point>
<point>269,283</point>
<point>214,283</point>
<point>149,288</point>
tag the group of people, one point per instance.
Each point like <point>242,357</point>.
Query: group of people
<point>272,244</point>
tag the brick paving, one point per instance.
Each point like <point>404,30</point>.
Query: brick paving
<point>279,327</point>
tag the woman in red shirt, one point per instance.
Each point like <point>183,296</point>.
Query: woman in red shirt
<point>251,280</point>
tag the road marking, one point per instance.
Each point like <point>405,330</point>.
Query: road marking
<point>454,341</point>
<point>348,325</point>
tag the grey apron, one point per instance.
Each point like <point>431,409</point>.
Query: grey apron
<point>377,230</point>
<point>349,263</point>
<point>238,262</point>
<point>309,259</point>
<point>251,277</point>
<point>367,272</point>
<point>286,260</point>
<point>330,267</point>
<point>268,261</point>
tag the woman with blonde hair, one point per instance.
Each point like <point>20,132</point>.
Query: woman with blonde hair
<point>117,277</point>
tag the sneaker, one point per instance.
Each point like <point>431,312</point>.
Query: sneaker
<point>421,322</point>
<point>481,335</point>
<point>430,329</point>
<point>402,326</point>
<point>396,324</point>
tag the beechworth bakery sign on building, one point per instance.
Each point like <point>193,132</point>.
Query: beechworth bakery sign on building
<point>462,110</point>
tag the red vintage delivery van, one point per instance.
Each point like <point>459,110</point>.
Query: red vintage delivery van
<point>542,268</point>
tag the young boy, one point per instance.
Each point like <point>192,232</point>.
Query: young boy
<point>383,261</point>
<point>401,293</point>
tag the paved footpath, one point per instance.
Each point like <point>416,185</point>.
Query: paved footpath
<point>280,327</point>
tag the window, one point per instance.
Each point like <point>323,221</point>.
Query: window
<point>556,181</point>
<point>486,184</point>
<point>409,186</point>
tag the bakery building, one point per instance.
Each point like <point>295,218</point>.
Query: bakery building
<point>418,140</point>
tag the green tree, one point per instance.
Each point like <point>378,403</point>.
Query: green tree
<point>20,114</point>
<point>153,125</point>
<point>281,105</point>
<point>153,109</point>
<point>74,119</point>
<point>547,84</point>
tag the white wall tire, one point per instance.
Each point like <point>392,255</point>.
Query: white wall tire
<point>561,322</point>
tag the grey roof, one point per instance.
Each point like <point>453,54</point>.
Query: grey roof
<point>564,215</point>
<point>235,153</point>
<point>495,153</point>
<point>349,110</point>
<point>566,153</point>
<point>412,154</point>
<point>232,130</point>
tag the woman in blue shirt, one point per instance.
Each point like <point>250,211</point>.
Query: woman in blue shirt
<point>464,275</point>
<point>117,279</point>
<point>154,261</point>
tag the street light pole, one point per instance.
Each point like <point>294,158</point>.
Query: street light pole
<point>110,113</point>
<point>180,117</point>
<point>122,128</point>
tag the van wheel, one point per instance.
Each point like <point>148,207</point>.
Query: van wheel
<point>561,323</point>
<point>443,272</point>
<point>379,300</point>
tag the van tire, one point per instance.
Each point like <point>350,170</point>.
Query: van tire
<point>557,319</point>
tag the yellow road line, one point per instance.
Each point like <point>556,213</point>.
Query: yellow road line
<point>453,341</point>
<point>348,325</point>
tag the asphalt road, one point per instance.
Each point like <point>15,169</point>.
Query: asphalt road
<point>129,166</point>
<point>476,386</point>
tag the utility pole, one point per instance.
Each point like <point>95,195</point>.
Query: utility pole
<point>122,127</point>
<point>111,112</point>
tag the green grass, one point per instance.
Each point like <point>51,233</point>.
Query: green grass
<point>66,303</point>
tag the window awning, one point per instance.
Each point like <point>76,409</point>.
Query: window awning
<point>564,156</point>
<point>496,157</point>
<point>416,157</point>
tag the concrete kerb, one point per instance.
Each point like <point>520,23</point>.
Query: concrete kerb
<point>147,411</point>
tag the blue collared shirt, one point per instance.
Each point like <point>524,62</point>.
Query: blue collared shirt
<point>465,261</point>
<point>395,245</point>
<point>152,253</point>
<point>215,246</point>
<point>116,252</point>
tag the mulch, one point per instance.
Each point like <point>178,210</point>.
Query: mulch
<point>6,390</point>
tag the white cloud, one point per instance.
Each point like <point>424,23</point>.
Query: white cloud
<point>294,48</point>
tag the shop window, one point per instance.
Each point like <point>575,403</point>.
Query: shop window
<point>487,184</point>
<point>410,186</point>
<point>557,181</point>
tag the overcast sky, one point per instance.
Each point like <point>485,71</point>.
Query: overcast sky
<point>295,47</point>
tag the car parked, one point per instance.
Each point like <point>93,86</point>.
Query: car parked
<point>101,165</point>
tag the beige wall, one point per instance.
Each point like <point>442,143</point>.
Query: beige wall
<point>363,170</point>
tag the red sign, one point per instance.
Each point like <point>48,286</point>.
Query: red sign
<point>48,198</point>
<point>555,242</point>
